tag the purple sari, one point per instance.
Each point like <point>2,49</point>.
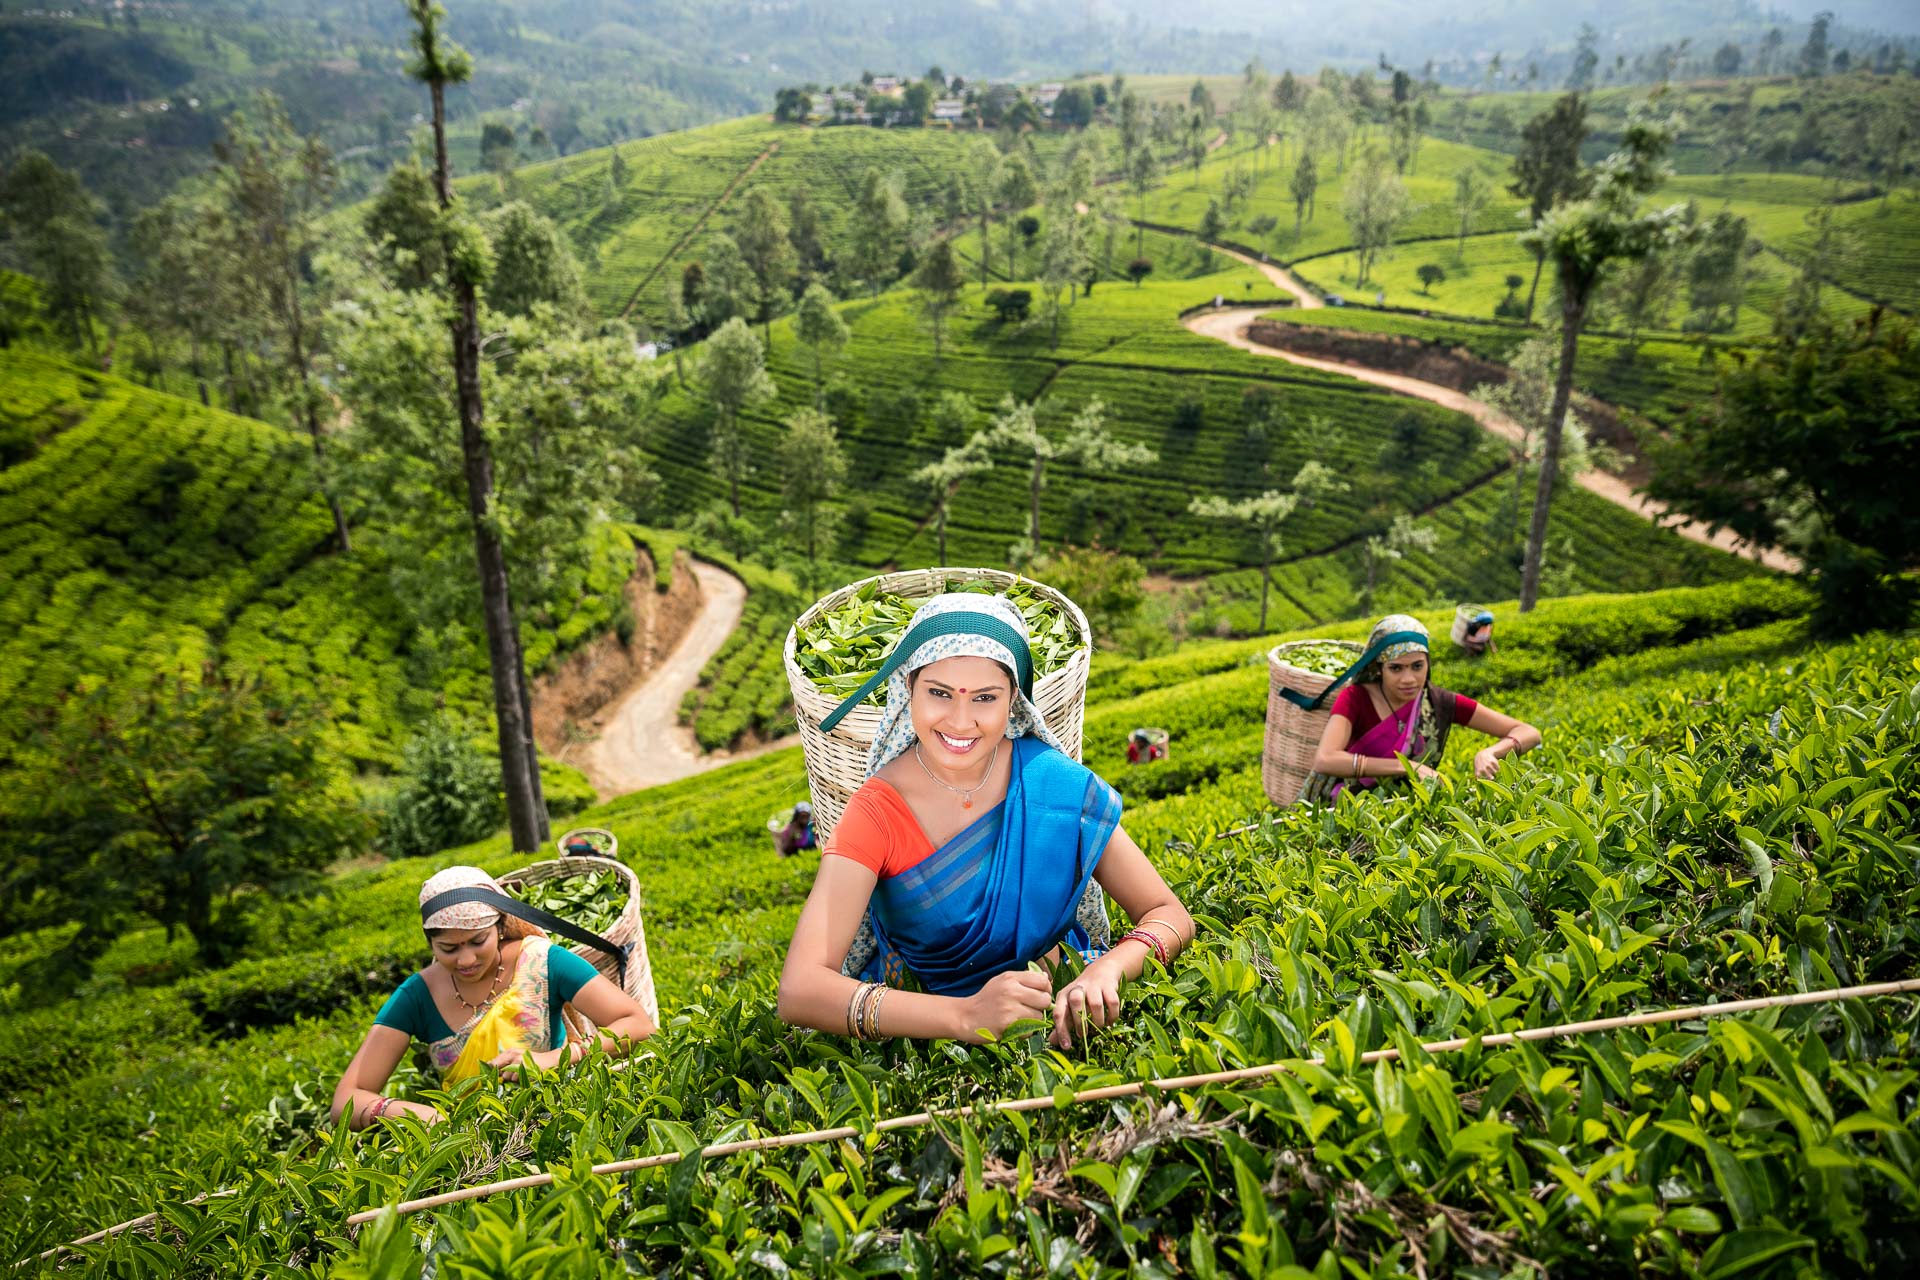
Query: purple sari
<point>1416,730</point>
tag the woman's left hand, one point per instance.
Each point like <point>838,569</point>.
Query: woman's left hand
<point>1089,1002</point>
<point>1486,764</point>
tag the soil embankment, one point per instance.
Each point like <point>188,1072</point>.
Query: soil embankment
<point>613,710</point>
<point>1239,327</point>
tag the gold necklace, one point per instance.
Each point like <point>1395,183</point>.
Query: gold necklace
<point>499,969</point>
<point>965,793</point>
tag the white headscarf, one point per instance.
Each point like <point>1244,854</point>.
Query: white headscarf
<point>470,915</point>
<point>895,734</point>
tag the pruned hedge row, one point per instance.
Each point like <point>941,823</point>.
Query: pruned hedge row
<point>1698,833</point>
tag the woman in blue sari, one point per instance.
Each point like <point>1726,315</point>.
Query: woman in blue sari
<point>975,847</point>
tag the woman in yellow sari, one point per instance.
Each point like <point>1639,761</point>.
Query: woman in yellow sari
<point>496,995</point>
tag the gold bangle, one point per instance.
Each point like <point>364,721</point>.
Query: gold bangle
<point>1179,939</point>
<point>873,1013</point>
<point>853,1010</point>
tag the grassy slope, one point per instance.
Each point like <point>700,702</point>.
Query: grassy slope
<point>141,532</point>
<point>174,1115</point>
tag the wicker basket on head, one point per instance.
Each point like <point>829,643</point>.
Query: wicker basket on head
<point>837,761</point>
<point>1293,734</point>
<point>627,929</point>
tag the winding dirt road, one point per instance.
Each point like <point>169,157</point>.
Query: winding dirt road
<point>1230,324</point>
<point>644,744</point>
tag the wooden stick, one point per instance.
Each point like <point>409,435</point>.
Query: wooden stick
<point>920,1119</point>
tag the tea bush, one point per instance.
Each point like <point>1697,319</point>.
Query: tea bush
<point>1709,820</point>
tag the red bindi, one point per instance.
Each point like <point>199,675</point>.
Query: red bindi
<point>963,688</point>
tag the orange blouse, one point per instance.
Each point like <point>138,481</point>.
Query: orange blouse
<point>879,831</point>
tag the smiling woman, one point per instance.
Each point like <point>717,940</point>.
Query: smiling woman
<point>498,994</point>
<point>1394,720</point>
<point>975,847</point>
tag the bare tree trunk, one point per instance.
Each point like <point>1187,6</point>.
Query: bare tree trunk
<point>1033,498</point>
<point>1572,316</point>
<point>1538,262</point>
<point>297,352</point>
<point>519,770</point>
<point>940,528</point>
<point>1266,581</point>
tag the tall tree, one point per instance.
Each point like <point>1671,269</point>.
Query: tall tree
<point>1302,185</point>
<point>1017,190</point>
<point>273,186</point>
<point>1586,57</point>
<point>880,226</point>
<point>1811,447</point>
<point>1264,516</point>
<point>55,224</point>
<point>1582,240</point>
<point>1814,54</point>
<point>1086,442</point>
<point>1398,541</point>
<point>812,468</point>
<point>1525,398</point>
<point>942,481</point>
<point>762,234</point>
<point>437,64</point>
<point>1546,169</point>
<point>400,222</point>
<point>1375,204</point>
<point>533,264</point>
<point>1199,132</point>
<point>170,799</point>
<point>805,235</point>
<point>1717,272</point>
<point>821,330</point>
<point>1144,172</point>
<point>179,289</point>
<point>734,376</point>
<point>938,283</point>
<point>1472,193</point>
<point>983,168</point>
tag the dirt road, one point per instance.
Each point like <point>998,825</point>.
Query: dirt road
<point>1229,325</point>
<point>644,744</point>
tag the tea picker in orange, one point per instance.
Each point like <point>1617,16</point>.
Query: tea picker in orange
<point>975,848</point>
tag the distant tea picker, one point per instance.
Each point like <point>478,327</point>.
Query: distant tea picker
<point>499,994</point>
<point>974,847</point>
<point>1392,718</point>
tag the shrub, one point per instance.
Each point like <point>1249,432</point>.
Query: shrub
<point>448,793</point>
<point>1011,305</point>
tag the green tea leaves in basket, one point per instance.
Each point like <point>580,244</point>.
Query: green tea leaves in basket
<point>594,902</point>
<point>842,647</point>
<point>1325,658</point>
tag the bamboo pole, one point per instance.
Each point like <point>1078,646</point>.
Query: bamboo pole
<point>920,1119</point>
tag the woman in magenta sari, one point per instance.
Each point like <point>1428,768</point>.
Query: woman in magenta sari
<point>1393,719</point>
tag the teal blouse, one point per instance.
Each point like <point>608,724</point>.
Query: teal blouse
<point>411,1009</point>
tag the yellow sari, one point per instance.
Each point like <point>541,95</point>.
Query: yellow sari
<point>518,1018</point>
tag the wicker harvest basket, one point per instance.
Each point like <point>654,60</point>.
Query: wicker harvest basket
<point>1293,735</point>
<point>628,929</point>
<point>837,761</point>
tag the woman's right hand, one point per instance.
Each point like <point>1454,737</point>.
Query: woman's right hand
<point>1425,772</point>
<point>1007,998</point>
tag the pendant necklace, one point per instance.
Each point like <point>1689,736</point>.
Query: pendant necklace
<point>499,970</point>
<point>965,793</point>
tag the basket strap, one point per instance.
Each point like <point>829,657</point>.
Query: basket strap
<point>1307,702</point>
<point>620,951</point>
<point>959,622</point>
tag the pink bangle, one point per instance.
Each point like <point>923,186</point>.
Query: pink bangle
<point>379,1108</point>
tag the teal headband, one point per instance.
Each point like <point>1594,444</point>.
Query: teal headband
<point>1312,703</point>
<point>959,622</point>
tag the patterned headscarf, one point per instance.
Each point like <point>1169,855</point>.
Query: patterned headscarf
<point>469,915</point>
<point>1385,627</point>
<point>895,734</point>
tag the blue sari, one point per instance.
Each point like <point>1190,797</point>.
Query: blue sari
<point>1005,890</point>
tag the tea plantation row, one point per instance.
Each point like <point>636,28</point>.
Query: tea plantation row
<point>1674,750</point>
<point>140,532</point>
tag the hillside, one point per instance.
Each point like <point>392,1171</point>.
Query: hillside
<point>1744,841</point>
<point>1192,400</point>
<point>140,532</point>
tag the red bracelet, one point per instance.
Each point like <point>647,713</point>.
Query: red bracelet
<point>379,1108</point>
<point>1154,946</point>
